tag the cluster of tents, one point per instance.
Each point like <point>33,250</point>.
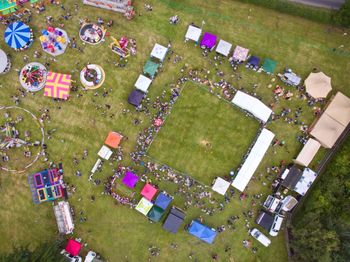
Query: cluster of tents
<point>150,70</point>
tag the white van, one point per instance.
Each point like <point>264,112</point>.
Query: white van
<point>276,226</point>
<point>260,237</point>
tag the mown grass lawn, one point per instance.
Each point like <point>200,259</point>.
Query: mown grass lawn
<point>204,136</point>
<point>121,234</point>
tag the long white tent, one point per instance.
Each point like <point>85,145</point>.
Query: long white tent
<point>253,160</point>
<point>252,105</point>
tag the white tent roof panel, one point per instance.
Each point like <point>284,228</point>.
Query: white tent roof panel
<point>159,52</point>
<point>143,83</point>
<point>105,152</point>
<point>305,181</point>
<point>220,186</point>
<point>308,152</point>
<point>193,33</point>
<point>223,47</point>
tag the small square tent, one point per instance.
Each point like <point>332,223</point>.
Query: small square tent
<point>223,48</point>
<point>130,179</point>
<point>253,61</point>
<point>135,97</point>
<point>163,200</point>
<point>174,220</point>
<point>193,33</point>
<point>113,139</point>
<point>144,206</point>
<point>57,85</point>
<point>220,186</point>
<point>159,52</point>
<point>148,191</point>
<point>240,54</point>
<point>202,232</point>
<point>305,182</point>
<point>308,152</point>
<point>269,66</point>
<point>105,152</point>
<point>143,83</point>
<point>73,247</point>
<point>208,41</point>
<point>150,68</point>
<point>155,213</point>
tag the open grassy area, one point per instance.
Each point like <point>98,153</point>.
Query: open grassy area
<point>204,136</point>
<point>122,234</point>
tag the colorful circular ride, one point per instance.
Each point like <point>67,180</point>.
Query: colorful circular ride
<point>33,77</point>
<point>92,76</point>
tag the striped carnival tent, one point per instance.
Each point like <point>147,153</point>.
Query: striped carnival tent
<point>18,36</point>
<point>57,85</point>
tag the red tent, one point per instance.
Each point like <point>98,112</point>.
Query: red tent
<point>73,247</point>
<point>148,191</point>
<point>113,139</point>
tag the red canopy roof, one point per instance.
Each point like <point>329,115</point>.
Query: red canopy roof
<point>73,247</point>
<point>149,191</point>
<point>113,139</point>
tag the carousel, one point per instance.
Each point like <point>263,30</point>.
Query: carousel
<point>54,41</point>
<point>92,33</point>
<point>92,76</point>
<point>33,77</point>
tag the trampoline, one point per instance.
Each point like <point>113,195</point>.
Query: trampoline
<point>33,77</point>
<point>92,76</point>
<point>42,194</point>
<point>92,33</point>
<point>38,180</point>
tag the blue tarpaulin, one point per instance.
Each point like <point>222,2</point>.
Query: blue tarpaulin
<point>202,232</point>
<point>163,200</point>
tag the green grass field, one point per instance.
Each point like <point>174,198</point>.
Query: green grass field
<point>217,134</point>
<point>122,234</point>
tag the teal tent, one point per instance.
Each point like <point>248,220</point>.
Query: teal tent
<point>155,214</point>
<point>269,66</point>
<point>150,68</point>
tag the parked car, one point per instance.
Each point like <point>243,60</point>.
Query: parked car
<point>260,237</point>
<point>276,225</point>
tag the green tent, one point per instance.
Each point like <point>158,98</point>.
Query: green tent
<point>6,6</point>
<point>155,213</point>
<point>150,68</point>
<point>269,66</point>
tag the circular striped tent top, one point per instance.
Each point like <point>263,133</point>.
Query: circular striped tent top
<point>17,35</point>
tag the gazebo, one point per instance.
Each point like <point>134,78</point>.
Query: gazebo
<point>130,179</point>
<point>148,191</point>
<point>143,83</point>
<point>253,62</point>
<point>57,85</point>
<point>155,213</point>
<point>269,66</point>
<point>208,41</point>
<point>159,52</point>
<point>144,206</point>
<point>73,247</point>
<point>105,152</point>
<point>318,85</point>
<point>223,48</point>
<point>193,33</point>
<point>163,200</point>
<point>150,68</point>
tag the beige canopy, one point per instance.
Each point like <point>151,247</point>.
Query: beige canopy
<point>339,109</point>
<point>318,85</point>
<point>327,131</point>
<point>308,152</point>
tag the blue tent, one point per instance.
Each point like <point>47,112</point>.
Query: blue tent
<point>253,61</point>
<point>202,232</point>
<point>163,200</point>
<point>17,35</point>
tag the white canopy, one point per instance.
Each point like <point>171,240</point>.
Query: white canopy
<point>3,61</point>
<point>305,181</point>
<point>63,217</point>
<point>223,47</point>
<point>144,206</point>
<point>253,160</point>
<point>159,52</point>
<point>308,152</point>
<point>193,33</point>
<point>220,186</point>
<point>252,105</point>
<point>105,152</point>
<point>143,83</point>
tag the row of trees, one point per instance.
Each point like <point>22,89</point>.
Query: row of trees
<point>321,228</point>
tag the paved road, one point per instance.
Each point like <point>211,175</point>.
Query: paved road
<point>331,4</point>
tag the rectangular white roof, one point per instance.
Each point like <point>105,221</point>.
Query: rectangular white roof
<point>220,186</point>
<point>305,181</point>
<point>159,52</point>
<point>308,152</point>
<point>252,105</point>
<point>105,152</point>
<point>223,47</point>
<point>193,33</point>
<point>253,160</point>
<point>143,83</point>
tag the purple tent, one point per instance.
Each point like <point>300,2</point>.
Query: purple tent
<point>208,40</point>
<point>136,97</point>
<point>130,179</point>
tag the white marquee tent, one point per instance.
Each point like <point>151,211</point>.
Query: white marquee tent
<point>63,217</point>
<point>159,52</point>
<point>143,83</point>
<point>223,47</point>
<point>193,33</point>
<point>252,105</point>
<point>305,181</point>
<point>253,160</point>
<point>308,152</point>
<point>105,152</point>
<point>220,186</point>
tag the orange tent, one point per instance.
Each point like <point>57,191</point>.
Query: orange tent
<point>113,139</point>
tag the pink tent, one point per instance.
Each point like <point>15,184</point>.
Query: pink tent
<point>149,191</point>
<point>73,247</point>
<point>240,53</point>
